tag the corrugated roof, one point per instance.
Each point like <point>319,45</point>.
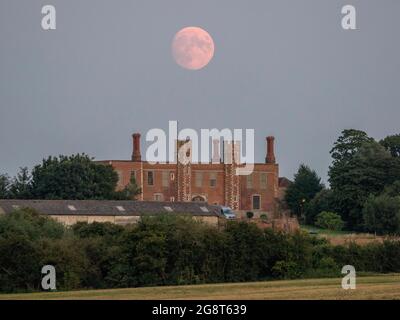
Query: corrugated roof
<point>109,208</point>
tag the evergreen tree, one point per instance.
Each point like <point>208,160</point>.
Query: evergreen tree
<point>304,188</point>
<point>4,186</point>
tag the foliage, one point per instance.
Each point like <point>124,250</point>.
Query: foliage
<point>382,214</point>
<point>130,192</point>
<point>392,144</point>
<point>370,169</point>
<point>347,145</point>
<point>21,253</point>
<point>4,186</point>
<point>393,190</point>
<point>323,201</point>
<point>304,188</point>
<point>20,187</point>
<point>73,177</point>
<point>329,220</point>
<point>249,214</point>
<point>169,250</point>
<point>27,223</point>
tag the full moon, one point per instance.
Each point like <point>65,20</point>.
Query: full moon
<point>192,48</point>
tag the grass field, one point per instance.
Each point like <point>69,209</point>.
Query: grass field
<point>369,287</point>
<point>343,237</point>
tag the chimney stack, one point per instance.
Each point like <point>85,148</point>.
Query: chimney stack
<point>136,156</point>
<point>270,158</point>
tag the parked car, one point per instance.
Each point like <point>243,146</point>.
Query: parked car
<point>228,213</point>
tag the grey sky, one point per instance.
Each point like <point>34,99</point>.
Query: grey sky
<point>284,68</point>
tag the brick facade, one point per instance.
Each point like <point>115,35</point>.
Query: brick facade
<point>214,182</point>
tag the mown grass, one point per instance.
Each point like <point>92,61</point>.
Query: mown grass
<point>368,287</point>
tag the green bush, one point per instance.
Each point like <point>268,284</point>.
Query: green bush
<point>170,250</point>
<point>249,214</point>
<point>286,270</point>
<point>382,214</point>
<point>329,220</point>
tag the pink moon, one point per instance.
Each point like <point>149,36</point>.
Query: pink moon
<point>192,48</point>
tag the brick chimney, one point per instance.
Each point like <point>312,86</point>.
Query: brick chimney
<point>270,158</point>
<point>136,156</point>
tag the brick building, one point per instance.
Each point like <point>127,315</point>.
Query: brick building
<point>214,182</point>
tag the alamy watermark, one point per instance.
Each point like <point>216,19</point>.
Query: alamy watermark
<point>349,280</point>
<point>49,279</point>
<point>348,21</point>
<point>187,146</point>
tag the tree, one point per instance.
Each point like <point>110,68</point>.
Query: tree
<point>29,223</point>
<point>304,188</point>
<point>393,190</point>
<point>131,191</point>
<point>382,214</point>
<point>348,144</point>
<point>20,187</point>
<point>73,177</point>
<point>392,144</point>
<point>4,186</point>
<point>329,220</point>
<point>323,201</point>
<point>368,171</point>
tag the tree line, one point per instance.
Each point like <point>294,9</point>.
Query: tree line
<point>364,192</point>
<point>75,177</point>
<point>169,250</point>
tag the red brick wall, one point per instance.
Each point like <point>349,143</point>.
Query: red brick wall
<point>211,194</point>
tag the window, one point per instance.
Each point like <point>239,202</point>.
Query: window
<point>249,181</point>
<point>213,180</point>
<point>263,180</point>
<point>150,178</point>
<point>158,197</point>
<point>256,203</point>
<point>165,180</point>
<point>199,179</point>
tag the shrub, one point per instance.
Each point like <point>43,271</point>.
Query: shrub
<point>170,250</point>
<point>249,214</point>
<point>323,201</point>
<point>286,270</point>
<point>329,220</point>
<point>382,214</point>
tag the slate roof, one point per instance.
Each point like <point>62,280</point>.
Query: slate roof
<point>110,208</point>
